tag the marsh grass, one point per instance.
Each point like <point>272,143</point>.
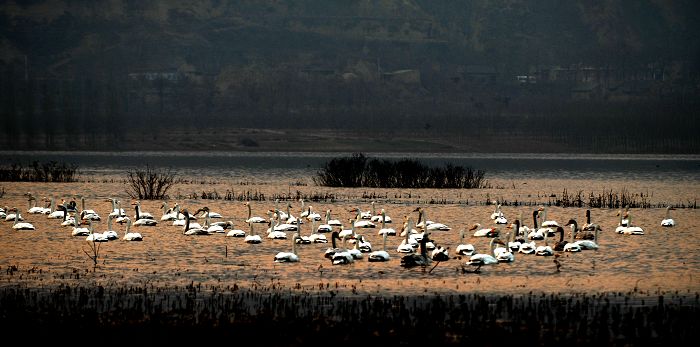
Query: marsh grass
<point>314,316</point>
<point>359,171</point>
<point>51,171</point>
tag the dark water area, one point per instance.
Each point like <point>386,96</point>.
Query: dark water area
<point>495,165</point>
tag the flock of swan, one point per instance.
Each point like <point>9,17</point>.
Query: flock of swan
<point>416,248</point>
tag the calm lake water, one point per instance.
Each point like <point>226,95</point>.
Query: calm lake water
<point>237,165</point>
<point>664,259</point>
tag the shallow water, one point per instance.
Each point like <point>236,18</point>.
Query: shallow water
<point>661,260</point>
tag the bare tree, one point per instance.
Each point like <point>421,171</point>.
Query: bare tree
<point>149,183</point>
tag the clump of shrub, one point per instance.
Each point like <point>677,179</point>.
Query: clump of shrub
<point>149,183</point>
<point>51,171</point>
<point>359,171</point>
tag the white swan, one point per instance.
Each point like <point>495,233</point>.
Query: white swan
<point>572,246</point>
<point>360,221</point>
<point>496,212</point>
<point>168,213</point>
<point>384,230</point>
<point>481,259</point>
<point>95,237</point>
<point>87,213</point>
<point>408,245</point>
<point>588,226</point>
<point>382,255</point>
<point>17,225</point>
<point>110,234</point>
<point>537,233</point>
<point>426,224</point>
<point>586,244</point>
<point>632,229</point>
<point>417,259</point>
<point>34,209</point>
<point>484,232</point>
<point>129,235</point>
<point>55,212</point>
<point>140,214</point>
<point>141,221</point>
<point>339,256</point>
<point>274,233</point>
<point>545,250</point>
<point>376,218</point>
<point>506,254</point>
<point>78,230</point>
<point>668,221</point>
<point>325,227</point>
<point>464,248</point>
<point>289,257</point>
<point>236,232</point>
<point>117,211</point>
<point>333,222</point>
<point>188,229</point>
<point>252,237</point>
<point>546,223</point>
<point>316,236</point>
<point>498,216</point>
<point>251,218</point>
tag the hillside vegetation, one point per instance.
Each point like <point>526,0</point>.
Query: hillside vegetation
<point>603,76</point>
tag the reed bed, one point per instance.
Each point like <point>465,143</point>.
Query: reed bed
<point>51,171</point>
<point>288,317</point>
<point>358,171</point>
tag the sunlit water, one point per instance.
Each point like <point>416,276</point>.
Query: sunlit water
<point>661,260</point>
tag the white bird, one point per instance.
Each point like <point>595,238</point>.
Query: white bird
<point>333,222</point>
<point>34,209</point>
<point>117,211</point>
<point>547,222</point>
<point>361,221</point>
<point>632,229</point>
<point>506,255</point>
<point>79,231</point>
<point>622,224</point>
<point>425,224</point>
<point>498,216</point>
<point>481,259</point>
<point>252,237</point>
<point>572,246</point>
<point>93,236</point>
<point>17,225</point>
<point>289,257</point>
<point>464,248</point>
<point>334,248</point>
<point>87,213</point>
<point>110,234</point>
<point>168,213</point>
<point>537,232</point>
<point>55,212</point>
<point>140,214</point>
<point>376,218</point>
<point>588,226</point>
<point>484,232</point>
<point>518,239</point>
<point>316,236</point>
<point>251,218</point>
<point>408,245</point>
<point>545,250</point>
<point>13,217</point>
<point>236,232</point>
<point>417,259</point>
<point>384,230</point>
<point>325,227</point>
<point>382,255</point>
<point>189,230</point>
<point>668,221</point>
<point>587,244</point>
<point>131,236</point>
<point>277,231</point>
<point>355,250</point>
<point>496,212</point>
<point>339,256</point>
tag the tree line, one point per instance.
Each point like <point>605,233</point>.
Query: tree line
<point>97,112</point>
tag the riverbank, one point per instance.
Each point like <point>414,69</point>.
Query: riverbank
<point>330,140</point>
